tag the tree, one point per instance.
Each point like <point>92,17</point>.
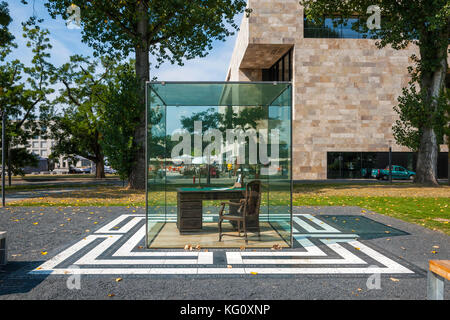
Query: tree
<point>447,129</point>
<point>170,30</point>
<point>422,23</point>
<point>118,125</point>
<point>22,158</point>
<point>77,131</point>
<point>23,92</point>
<point>6,38</point>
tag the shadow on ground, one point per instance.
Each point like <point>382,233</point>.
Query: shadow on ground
<point>14,277</point>
<point>364,227</point>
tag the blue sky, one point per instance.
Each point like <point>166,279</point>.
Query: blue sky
<point>67,42</point>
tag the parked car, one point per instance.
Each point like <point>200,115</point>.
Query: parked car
<point>398,172</point>
<point>110,170</point>
<point>79,170</point>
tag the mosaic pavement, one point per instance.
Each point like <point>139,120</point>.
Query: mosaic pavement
<point>322,245</point>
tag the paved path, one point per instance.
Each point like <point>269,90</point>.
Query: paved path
<point>330,259</point>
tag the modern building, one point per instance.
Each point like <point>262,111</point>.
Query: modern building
<point>344,89</point>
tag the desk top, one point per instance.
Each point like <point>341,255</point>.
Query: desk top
<point>210,189</point>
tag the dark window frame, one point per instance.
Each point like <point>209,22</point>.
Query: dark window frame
<point>273,73</point>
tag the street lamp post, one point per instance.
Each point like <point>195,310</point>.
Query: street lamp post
<point>3,113</point>
<point>390,162</point>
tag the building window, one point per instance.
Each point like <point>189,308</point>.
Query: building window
<point>355,165</point>
<point>281,70</point>
<point>44,144</point>
<point>331,27</point>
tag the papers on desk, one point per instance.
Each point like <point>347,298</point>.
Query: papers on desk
<point>220,189</point>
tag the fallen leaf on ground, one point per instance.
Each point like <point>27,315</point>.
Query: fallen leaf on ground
<point>44,253</point>
<point>118,279</point>
<point>394,279</point>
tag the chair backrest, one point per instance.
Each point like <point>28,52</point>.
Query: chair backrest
<point>252,198</point>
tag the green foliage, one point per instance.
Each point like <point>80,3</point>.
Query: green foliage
<point>6,38</point>
<point>246,118</point>
<point>21,159</point>
<point>24,90</point>
<point>170,30</point>
<point>77,130</point>
<point>175,29</point>
<point>120,119</point>
<point>414,114</point>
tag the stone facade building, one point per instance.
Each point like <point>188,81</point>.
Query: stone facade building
<point>344,89</point>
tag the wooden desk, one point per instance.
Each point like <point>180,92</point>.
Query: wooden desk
<point>190,208</point>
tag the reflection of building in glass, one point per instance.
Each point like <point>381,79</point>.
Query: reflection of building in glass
<point>344,88</point>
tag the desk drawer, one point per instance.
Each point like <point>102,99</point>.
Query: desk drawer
<point>187,224</point>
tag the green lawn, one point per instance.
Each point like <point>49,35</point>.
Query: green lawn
<point>433,213</point>
<point>429,207</point>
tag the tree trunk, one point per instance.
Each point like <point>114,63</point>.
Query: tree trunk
<point>137,177</point>
<point>426,172</point>
<point>100,168</point>
<point>432,83</point>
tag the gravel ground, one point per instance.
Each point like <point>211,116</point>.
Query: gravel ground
<point>34,231</point>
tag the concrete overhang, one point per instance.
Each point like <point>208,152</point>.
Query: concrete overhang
<point>263,56</point>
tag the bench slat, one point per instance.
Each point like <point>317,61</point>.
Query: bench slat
<point>441,267</point>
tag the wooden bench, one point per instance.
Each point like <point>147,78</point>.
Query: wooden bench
<point>3,255</point>
<point>438,271</point>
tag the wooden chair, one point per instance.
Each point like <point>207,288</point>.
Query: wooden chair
<point>248,211</point>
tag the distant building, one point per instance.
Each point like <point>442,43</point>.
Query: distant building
<point>42,148</point>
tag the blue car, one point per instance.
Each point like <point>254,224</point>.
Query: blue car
<point>398,172</point>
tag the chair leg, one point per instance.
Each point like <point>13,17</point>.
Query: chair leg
<point>220,221</point>
<point>239,228</point>
<point>245,231</point>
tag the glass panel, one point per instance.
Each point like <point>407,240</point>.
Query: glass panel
<point>217,94</point>
<point>156,167</point>
<point>279,170</point>
<point>205,142</point>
